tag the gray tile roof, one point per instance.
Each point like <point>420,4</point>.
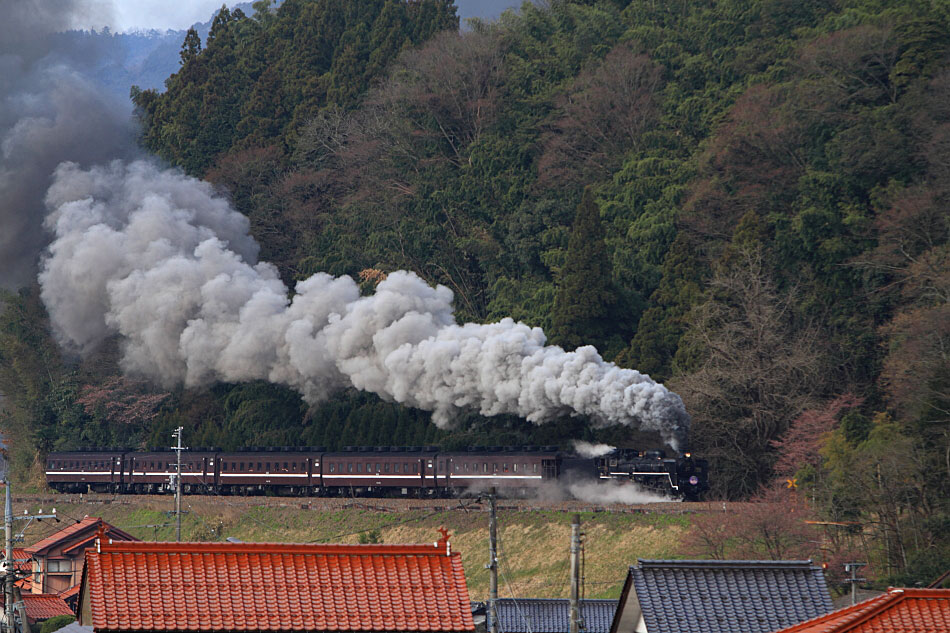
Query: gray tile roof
<point>704,596</point>
<point>535,615</point>
<point>73,627</point>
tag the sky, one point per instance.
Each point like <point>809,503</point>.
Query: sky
<point>126,15</point>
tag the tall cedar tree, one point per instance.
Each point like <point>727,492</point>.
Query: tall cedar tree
<point>586,299</point>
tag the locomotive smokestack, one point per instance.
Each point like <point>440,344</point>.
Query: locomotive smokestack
<point>157,258</point>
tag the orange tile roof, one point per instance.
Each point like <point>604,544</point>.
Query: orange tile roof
<point>897,611</point>
<point>22,558</point>
<point>24,567</point>
<point>43,606</point>
<point>75,530</point>
<point>275,587</point>
<point>69,593</point>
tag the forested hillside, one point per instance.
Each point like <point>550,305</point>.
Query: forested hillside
<point>747,200</point>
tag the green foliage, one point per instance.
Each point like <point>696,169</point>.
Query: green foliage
<point>372,536</point>
<point>585,306</point>
<point>55,623</point>
<point>257,80</point>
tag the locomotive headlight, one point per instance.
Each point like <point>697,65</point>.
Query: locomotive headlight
<point>687,454</point>
<point>694,480</point>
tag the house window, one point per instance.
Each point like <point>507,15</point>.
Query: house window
<point>59,566</point>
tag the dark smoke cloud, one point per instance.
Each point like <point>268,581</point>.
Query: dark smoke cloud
<point>50,112</point>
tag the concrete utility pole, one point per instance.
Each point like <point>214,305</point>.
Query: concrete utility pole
<point>575,623</point>
<point>492,563</point>
<point>9,565</point>
<point>853,568</point>
<point>178,449</point>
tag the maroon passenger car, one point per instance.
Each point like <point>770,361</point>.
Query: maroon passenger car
<point>98,471</point>
<point>153,471</point>
<point>397,470</point>
<point>291,472</point>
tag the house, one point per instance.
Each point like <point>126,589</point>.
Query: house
<point>533,615</point>
<point>896,611</point>
<point>719,596</point>
<point>133,587</point>
<point>71,597</point>
<point>24,568</point>
<point>40,607</point>
<point>58,558</point>
<point>37,607</point>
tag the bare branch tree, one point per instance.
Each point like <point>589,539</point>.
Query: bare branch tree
<point>757,371</point>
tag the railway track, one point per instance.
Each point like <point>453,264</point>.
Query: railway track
<point>380,505</point>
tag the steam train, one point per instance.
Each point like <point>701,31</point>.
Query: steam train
<point>368,471</point>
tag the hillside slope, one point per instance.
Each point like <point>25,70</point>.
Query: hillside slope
<point>765,226</point>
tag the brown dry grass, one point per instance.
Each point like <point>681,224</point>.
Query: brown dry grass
<point>534,545</point>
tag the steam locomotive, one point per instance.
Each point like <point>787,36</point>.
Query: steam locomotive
<point>368,471</point>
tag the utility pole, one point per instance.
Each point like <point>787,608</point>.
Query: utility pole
<point>9,565</point>
<point>575,623</point>
<point>178,449</point>
<point>493,563</point>
<point>853,568</point>
<point>11,600</point>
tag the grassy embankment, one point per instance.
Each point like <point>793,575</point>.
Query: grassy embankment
<point>533,544</point>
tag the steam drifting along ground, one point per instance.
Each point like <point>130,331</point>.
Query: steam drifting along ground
<point>157,258</point>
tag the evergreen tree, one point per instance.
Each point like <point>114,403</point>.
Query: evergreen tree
<point>658,333</point>
<point>586,301</point>
<point>190,47</point>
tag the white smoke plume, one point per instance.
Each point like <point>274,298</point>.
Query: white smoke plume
<point>157,258</point>
<point>590,449</point>
<point>603,491</point>
<point>612,491</point>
